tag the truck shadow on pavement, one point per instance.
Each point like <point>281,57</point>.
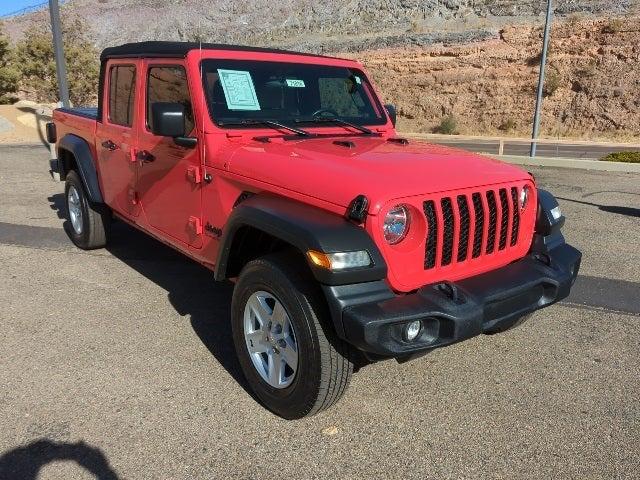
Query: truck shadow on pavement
<point>25,462</point>
<point>191,290</point>
<point>628,211</point>
<point>190,287</point>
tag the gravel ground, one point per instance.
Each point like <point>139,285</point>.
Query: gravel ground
<point>119,364</point>
<point>5,125</point>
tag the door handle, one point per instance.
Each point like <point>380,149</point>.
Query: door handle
<point>144,156</point>
<point>109,145</point>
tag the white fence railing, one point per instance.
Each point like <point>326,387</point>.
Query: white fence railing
<point>500,142</point>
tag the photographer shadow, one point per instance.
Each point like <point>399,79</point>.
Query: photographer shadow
<point>26,462</point>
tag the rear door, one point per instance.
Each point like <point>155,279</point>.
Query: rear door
<point>169,176</point>
<point>116,136</point>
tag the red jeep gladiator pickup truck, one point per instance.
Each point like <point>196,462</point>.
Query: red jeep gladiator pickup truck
<point>283,172</point>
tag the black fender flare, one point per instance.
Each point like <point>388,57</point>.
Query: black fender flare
<point>306,228</point>
<point>548,229</point>
<point>79,148</point>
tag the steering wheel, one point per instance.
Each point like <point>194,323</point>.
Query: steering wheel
<point>322,111</point>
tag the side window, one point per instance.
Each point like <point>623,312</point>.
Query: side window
<point>122,94</point>
<point>169,84</point>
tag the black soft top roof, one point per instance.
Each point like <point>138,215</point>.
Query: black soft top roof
<point>180,49</point>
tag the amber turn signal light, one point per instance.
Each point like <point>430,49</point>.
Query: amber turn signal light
<point>339,260</point>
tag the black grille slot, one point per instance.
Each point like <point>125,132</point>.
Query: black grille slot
<point>477,234</point>
<point>504,221</point>
<point>515,227</point>
<point>463,243</point>
<point>432,235</point>
<point>493,221</point>
<point>467,226</point>
<point>447,241</point>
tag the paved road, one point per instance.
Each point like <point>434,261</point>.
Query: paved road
<point>544,150</point>
<point>119,363</point>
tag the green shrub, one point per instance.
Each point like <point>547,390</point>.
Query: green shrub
<point>36,61</point>
<point>590,70</point>
<point>626,157</point>
<point>9,74</point>
<point>508,125</point>
<point>614,26</point>
<point>574,19</point>
<point>552,83</point>
<point>448,126</point>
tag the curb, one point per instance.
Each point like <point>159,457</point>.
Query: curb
<point>23,144</point>
<point>571,163</point>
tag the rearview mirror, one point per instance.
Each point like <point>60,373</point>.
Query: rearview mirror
<point>168,119</point>
<point>391,110</point>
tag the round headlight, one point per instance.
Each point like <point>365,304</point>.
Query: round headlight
<point>525,193</point>
<point>396,224</point>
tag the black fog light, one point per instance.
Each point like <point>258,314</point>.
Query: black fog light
<point>412,330</point>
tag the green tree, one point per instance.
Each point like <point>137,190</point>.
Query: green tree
<point>35,57</point>
<point>9,75</point>
<point>448,126</point>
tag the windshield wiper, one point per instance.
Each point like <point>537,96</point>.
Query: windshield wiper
<point>270,123</point>
<point>339,121</point>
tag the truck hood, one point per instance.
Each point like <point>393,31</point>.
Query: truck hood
<point>375,167</point>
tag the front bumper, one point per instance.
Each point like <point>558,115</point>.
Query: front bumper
<point>373,320</point>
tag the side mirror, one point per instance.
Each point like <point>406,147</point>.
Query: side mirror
<point>391,110</point>
<point>168,119</point>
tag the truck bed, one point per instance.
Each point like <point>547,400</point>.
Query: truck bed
<point>88,112</point>
<point>76,121</point>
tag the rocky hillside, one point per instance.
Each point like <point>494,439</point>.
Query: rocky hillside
<point>315,25</point>
<point>474,60</point>
<point>592,90</point>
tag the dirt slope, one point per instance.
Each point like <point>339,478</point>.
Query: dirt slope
<point>473,59</point>
<point>313,24</point>
<point>593,87</point>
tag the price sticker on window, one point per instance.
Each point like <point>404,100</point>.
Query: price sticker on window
<point>239,91</point>
<point>292,83</point>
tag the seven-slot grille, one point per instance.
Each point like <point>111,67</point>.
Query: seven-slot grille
<point>469,226</point>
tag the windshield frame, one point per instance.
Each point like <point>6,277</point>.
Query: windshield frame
<point>369,91</point>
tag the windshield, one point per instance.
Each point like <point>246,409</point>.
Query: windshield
<point>239,92</point>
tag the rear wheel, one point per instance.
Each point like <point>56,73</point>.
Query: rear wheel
<point>88,223</point>
<point>291,358</point>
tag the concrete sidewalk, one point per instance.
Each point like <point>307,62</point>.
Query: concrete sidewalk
<point>571,163</point>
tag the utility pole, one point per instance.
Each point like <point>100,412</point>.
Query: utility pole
<point>543,64</point>
<point>61,69</point>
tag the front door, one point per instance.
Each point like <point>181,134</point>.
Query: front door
<point>116,137</point>
<point>169,176</point>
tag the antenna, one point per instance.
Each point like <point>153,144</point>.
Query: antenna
<point>202,106</point>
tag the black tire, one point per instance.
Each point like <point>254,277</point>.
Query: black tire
<point>324,361</point>
<point>96,219</point>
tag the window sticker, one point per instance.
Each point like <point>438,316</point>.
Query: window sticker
<point>295,83</point>
<point>239,91</point>
<point>358,79</point>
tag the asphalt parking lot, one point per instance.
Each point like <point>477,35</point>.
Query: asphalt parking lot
<point>119,364</point>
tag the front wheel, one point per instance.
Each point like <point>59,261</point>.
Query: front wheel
<point>290,357</point>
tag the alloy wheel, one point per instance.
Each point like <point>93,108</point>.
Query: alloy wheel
<point>270,339</point>
<point>75,209</point>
